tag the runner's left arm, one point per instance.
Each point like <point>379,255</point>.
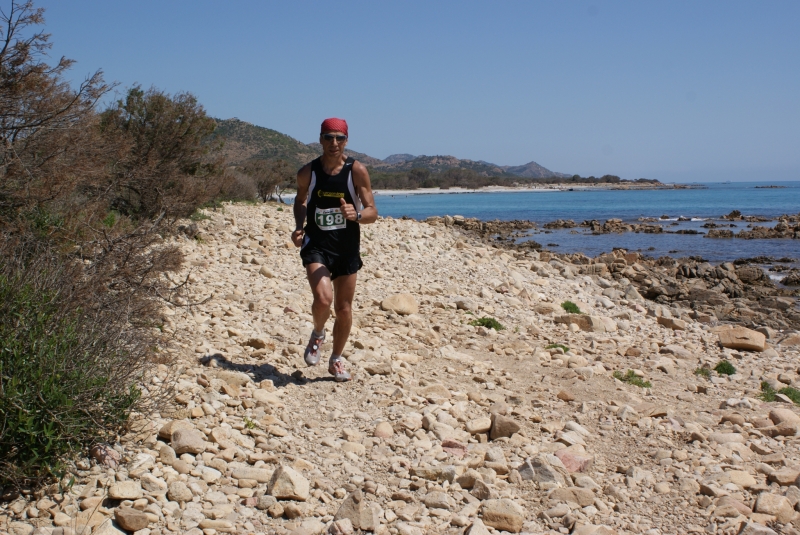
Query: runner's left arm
<point>364,191</point>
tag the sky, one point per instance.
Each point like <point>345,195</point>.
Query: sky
<point>679,91</point>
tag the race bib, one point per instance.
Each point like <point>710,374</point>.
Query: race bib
<point>330,219</point>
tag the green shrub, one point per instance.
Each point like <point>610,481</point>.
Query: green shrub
<point>724,367</point>
<point>632,379</point>
<point>571,307</point>
<point>703,372</point>
<point>768,393</point>
<point>554,346</point>
<point>489,323</point>
<point>68,373</point>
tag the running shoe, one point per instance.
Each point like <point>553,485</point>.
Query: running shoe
<point>336,368</point>
<point>314,348</point>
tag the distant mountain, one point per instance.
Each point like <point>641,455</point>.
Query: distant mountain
<point>244,141</point>
<point>398,158</point>
<point>532,170</point>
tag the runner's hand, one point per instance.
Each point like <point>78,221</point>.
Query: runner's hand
<point>348,210</point>
<point>297,237</point>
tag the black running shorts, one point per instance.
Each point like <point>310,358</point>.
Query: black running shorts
<point>338,264</point>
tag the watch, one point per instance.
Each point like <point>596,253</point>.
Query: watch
<point>358,216</point>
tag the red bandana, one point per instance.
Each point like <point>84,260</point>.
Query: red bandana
<point>334,125</point>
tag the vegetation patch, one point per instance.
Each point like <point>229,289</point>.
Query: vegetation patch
<point>703,372</point>
<point>768,393</point>
<point>489,323</point>
<point>632,379</point>
<point>571,307</point>
<point>555,346</point>
<point>724,367</point>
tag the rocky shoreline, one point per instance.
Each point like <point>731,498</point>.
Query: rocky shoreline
<point>616,420</point>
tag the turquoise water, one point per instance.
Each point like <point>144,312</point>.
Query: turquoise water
<point>709,203</point>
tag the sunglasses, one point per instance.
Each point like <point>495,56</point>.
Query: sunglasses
<point>331,137</point>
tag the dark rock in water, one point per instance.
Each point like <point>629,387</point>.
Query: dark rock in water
<point>716,233</point>
<point>561,223</point>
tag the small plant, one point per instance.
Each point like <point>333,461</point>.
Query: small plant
<point>111,219</point>
<point>489,323</point>
<point>199,216</point>
<point>724,367</point>
<point>632,379</point>
<point>556,346</point>
<point>280,208</point>
<point>768,393</point>
<point>571,307</point>
<point>248,423</point>
<point>703,372</point>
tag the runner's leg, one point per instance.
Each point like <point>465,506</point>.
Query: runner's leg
<point>319,278</point>
<point>344,287</point>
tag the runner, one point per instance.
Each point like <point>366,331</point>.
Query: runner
<point>334,193</point>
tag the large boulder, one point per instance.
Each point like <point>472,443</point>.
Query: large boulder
<point>584,322</point>
<point>742,338</point>
<point>403,304</point>
<point>287,484</point>
<point>503,514</point>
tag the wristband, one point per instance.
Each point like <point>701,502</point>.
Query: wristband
<point>358,216</point>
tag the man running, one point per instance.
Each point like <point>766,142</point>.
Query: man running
<point>335,193</point>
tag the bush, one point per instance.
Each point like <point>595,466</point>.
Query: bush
<point>554,346</point>
<point>768,393</point>
<point>632,379</point>
<point>571,307</point>
<point>489,323</point>
<point>724,367</point>
<point>703,372</point>
<point>69,366</point>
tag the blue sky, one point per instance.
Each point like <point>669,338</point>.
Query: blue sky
<point>678,91</point>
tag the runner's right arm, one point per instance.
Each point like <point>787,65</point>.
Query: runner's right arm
<point>303,183</point>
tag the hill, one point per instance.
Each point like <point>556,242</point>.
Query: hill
<point>245,141</point>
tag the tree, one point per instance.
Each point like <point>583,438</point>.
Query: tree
<point>164,166</point>
<point>270,177</point>
<point>45,124</point>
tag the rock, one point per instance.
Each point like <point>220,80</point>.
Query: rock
<point>287,484</point>
<point>753,528</point>
<point>342,526</point>
<point>574,462</point>
<point>773,504</point>
<point>131,519</point>
<point>481,490</point>
<point>153,485</point>
<point>256,474</point>
<point>673,323</point>
<point>188,441</point>
<point>403,304</point>
<point>502,426</point>
<point>437,500</point>
<point>167,429</point>
<point>107,528</point>
<point>585,322</point>
<point>381,368</point>
<point>503,514</point>
<point>179,492</point>
<point>383,430</point>
<point>784,416</point>
<point>479,425</point>
<point>582,497</point>
<point>785,476</point>
<point>540,470</point>
<point>742,338</point>
<point>125,490</point>
<point>565,395</point>
<point>256,343</point>
<point>477,528</point>
<point>361,515</point>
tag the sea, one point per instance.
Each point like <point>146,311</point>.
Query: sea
<point>698,203</point>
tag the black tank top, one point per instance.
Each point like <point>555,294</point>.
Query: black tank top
<point>326,226</point>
